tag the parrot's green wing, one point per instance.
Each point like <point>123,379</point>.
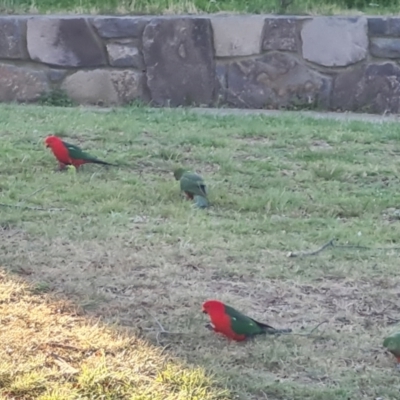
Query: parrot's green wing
<point>194,184</point>
<point>392,343</point>
<point>77,153</point>
<point>242,324</point>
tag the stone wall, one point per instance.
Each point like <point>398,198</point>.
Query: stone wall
<point>253,61</point>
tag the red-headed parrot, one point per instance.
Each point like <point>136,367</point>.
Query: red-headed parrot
<point>69,154</point>
<point>235,325</point>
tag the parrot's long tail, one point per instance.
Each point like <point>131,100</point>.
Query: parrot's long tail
<point>201,201</point>
<point>97,161</point>
<point>278,331</point>
<point>271,330</point>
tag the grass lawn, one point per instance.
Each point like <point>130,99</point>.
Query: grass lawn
<point>50,352</point>
<point>127,248</point>
<point>201,6</point>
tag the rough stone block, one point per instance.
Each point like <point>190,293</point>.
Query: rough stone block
<point>21,84</point>
<point>12,38</point>
<point>178,54</point>
<point>368,88</point>
<point>377,26</point>
<point>281,34</point>
<point>385,47</point>
<point>384,26</point>
<point>221,84</point>
<point>120,27</point>
<point>393,26</point>
<point>126,54</point>
<point>237,35</point>
<point>130,85</point>
<point>334,41</point>
<point>105,87</point>
<point>277,80</point>
<point>68,42</point>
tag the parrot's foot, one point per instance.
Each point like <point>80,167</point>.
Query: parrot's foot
<point>198,206</point>
<point>61,167</point>
<point>209,327</point>
<point>188,196</point>
<point>71,169</point>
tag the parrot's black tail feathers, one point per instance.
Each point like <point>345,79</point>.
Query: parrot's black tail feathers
<point>283,331</point>
<point>273,331</point>
<point>268,329</point>
<point>201,201</point>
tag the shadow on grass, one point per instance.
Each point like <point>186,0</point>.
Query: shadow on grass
<point>53,350</point>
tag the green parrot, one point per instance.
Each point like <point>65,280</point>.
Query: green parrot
<point>392,343</point>
<point>193,186</point>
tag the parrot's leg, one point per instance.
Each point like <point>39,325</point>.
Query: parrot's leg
<point>188,196</point>
<point>209,327</point>
<point>61,167</point>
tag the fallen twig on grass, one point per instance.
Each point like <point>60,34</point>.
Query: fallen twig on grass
<point>31,208</point>
<point>312,253</point>
<point>20,204</point>
<point>331,243</point>
<point>374,313</point>
<point>162,329</point>
<point>33,193</point>
<point>65,346</point>
<point>312,330</point>
<point>87,351</point>
<point>393,320</point>
<point>63,364</point>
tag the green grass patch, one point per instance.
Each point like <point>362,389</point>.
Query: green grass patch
<point>327,7</point>
<point>121,240</point>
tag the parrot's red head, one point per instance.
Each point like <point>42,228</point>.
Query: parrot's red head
<point>213,306</point>
<point>51,140</point>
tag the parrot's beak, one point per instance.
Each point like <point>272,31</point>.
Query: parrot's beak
<point>204,311</point>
